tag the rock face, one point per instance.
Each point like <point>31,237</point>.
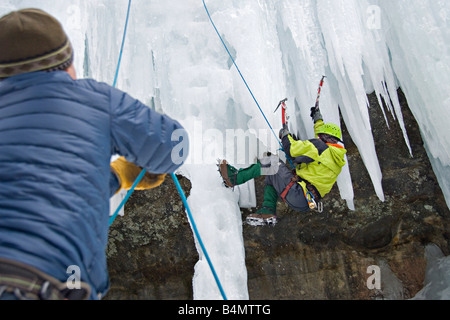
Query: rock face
<point>328,255</point>
<point>151,251</point>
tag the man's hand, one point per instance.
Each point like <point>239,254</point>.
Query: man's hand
<point>127,173</point>
<point>315,114</point>
<point>284,131</point>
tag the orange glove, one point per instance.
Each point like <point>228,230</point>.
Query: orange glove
<point>127,173</point>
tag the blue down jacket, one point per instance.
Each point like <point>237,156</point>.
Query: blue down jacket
<point>57,136</point>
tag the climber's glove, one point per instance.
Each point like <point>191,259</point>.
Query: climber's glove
<point>128,172</point>
<point>284,131</point>
<point>315,114</point>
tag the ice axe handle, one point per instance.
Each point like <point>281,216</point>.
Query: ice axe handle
<point>319,92</point>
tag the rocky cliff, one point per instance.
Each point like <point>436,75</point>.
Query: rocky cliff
<point>151,252</point>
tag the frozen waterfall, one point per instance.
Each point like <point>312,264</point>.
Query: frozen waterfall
<point>175,63</point>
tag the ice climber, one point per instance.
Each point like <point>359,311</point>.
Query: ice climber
<point>318,162</point>
<point>58,135</point>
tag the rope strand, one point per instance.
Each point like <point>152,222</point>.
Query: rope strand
<point>123,44</point>
<point>116,213</point>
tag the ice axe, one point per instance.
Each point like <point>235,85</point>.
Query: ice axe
<point>316,107</point>
<point>283,110</point>
<point>282,104</point>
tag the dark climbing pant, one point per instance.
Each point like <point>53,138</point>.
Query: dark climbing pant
<point>295,198</point>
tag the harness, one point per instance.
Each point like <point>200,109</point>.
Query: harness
<point>312,196</point>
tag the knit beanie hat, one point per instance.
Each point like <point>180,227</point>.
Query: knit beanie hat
<point>32,40</point>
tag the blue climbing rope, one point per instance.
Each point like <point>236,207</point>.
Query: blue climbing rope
<point>245,82</point>
<point>123,44</point>
<point>114,216</point>
<point>129,193</point>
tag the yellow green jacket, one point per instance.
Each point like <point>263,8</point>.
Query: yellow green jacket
<point>317,162</point>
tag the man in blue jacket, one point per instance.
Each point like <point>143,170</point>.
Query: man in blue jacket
<point>57,136</point>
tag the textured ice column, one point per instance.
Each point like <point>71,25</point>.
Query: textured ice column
<point>437,277</point>
<point>418,36</point>
<point>345,40</point>
<point>192,73</point>
<point>220,225</point>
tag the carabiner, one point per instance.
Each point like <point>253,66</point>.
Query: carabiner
<point>311,202</point>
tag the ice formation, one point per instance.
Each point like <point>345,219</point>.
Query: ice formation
<point>175,63</point>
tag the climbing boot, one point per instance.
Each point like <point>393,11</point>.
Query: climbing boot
<point>267,214</point>
<point>259,219</point>
<point>233,177</point>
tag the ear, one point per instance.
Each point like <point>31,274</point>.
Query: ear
<point>72,72</point>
